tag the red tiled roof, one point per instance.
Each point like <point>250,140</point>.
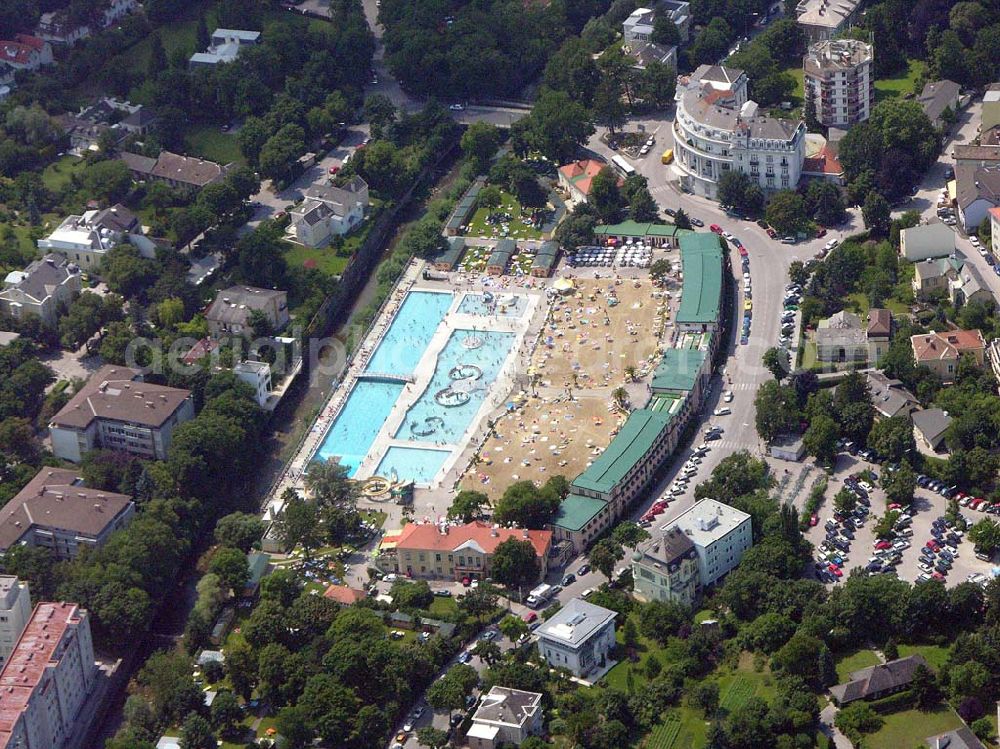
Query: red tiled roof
<point>34,652</point>
<point>826,162</point>
<point>995,212</point>
<point>428,536</point>
<point>947,345</point>
<point>343,594</point>
<point>21,49</point>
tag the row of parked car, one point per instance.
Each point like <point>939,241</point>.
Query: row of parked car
<point>940,551</point>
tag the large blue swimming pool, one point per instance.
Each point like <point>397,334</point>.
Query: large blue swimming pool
<point>411,330</point>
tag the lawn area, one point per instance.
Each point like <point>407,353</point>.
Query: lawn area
<point>58,174</point>
<point>890,88</point>
<point>798,95</point>
<point>854,661</point>
<point>809,359</point>
<point>692,732</point>
<point>478,226</point>
<point>910,727</point>
<point>935,655</point>
<point>858,302</point>
<point>209,142</point>
<point>323,258</point>
<point>443,606</point>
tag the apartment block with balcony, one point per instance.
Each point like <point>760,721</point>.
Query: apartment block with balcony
<point>839,80</point>
<point>718,129</point>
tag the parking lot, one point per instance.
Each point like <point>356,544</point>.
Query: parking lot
<point>927,507</point>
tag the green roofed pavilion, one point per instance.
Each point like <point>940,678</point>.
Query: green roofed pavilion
<point>576,511</point>
<point>637,436</point>
<point>678,369</point>
<point>701,295</point>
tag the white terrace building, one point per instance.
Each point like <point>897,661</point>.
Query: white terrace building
<point>718,129</point>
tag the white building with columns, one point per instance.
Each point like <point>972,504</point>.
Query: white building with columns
<point>717,129</point>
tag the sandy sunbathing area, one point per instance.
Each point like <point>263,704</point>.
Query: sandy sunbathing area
<point>594,333</point>
<point>543,439</point>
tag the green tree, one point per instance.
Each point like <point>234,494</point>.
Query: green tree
<point>820,439</point>
<point>605,196</point>
<point>777,410</point>
<point>432,737</point>
<point>775,360</point>
<point>786,212</point>
<point>892,438</point>
<point>226,712</point>
<point>557,125</point>
<point>629,534</point>
<point>884,527</point>
<point>608,108</point>
<point>899,485</point>
<point>705,697</point>
<point>380,112</point>
<point>468,505</point>
<point>298,524</point>
<point>240,530</point>
<point>489,197</point>
<point>857,719</point>
<point>665,31</point>
<point>658,84</point>
<point>986,536</point>
<point>327,481</point>
<point>824,202</point>
<point>231,567</point>
<point>196,733</point>
<point>660,620</point>
<point>515,563</point>
<point>844,501</point>
<point>876,214</point>
<point>681,220</point>
<point>924,688</point>
<point>604,555</point>
<point>512,627</point>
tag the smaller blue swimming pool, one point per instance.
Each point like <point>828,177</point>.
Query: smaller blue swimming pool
<point>418,464</point>
<point>493,305</point>
<point>352,433</point>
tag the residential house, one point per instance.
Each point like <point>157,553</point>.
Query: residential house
<point>889,396</point>
<point>638,27</point>
<point>972,155</point>
<point>579,637</point>
<point>721,535</point>
<point>931,276</point>
<point>938,97</point>
<point>644,54</point>
<point>116,10</point>
<point>994,214</point>
<point>717,129</point>
<point>456,552</point>
<point>990,113</point>
<point>825,19</point>
<point>993,354</point>
<point>232,310</point>
<point>879,333</point>
<point>940,352</point>
<point>56,511</point>
<point>15,611</point>
<point>960,738</point>
<point>55,27</point>
<point>927,241</point>
<point>838,78</point>
<point>225,47</point>
<point>182,172</point>
<point>877,681</point>
<point>930,426</point>
<point>969,287</point>
<point>106,118</point>
<point>977,189</point>
<point>840,338</point>
<point>665,568</point>
<point>256,374</point>
<point>26,52</point>
<point>329,211</point>
<point>116,410</point>
<point>344,595</point>
<point>505,717</point>
<point>86,239</point>
<point>48,680</point>
<point>576,178</point>
<point>43,288</point>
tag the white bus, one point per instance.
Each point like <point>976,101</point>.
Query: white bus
<point>623,167</point>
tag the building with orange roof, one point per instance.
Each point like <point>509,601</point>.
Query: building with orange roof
<point>576,177</point>
<point>940,352</point>
<point>26,52</point>
<point>344,595</point>
<point>461,551</point>
<point>47,679</point>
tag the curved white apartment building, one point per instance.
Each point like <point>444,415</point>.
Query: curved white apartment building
<point>717,129</point>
